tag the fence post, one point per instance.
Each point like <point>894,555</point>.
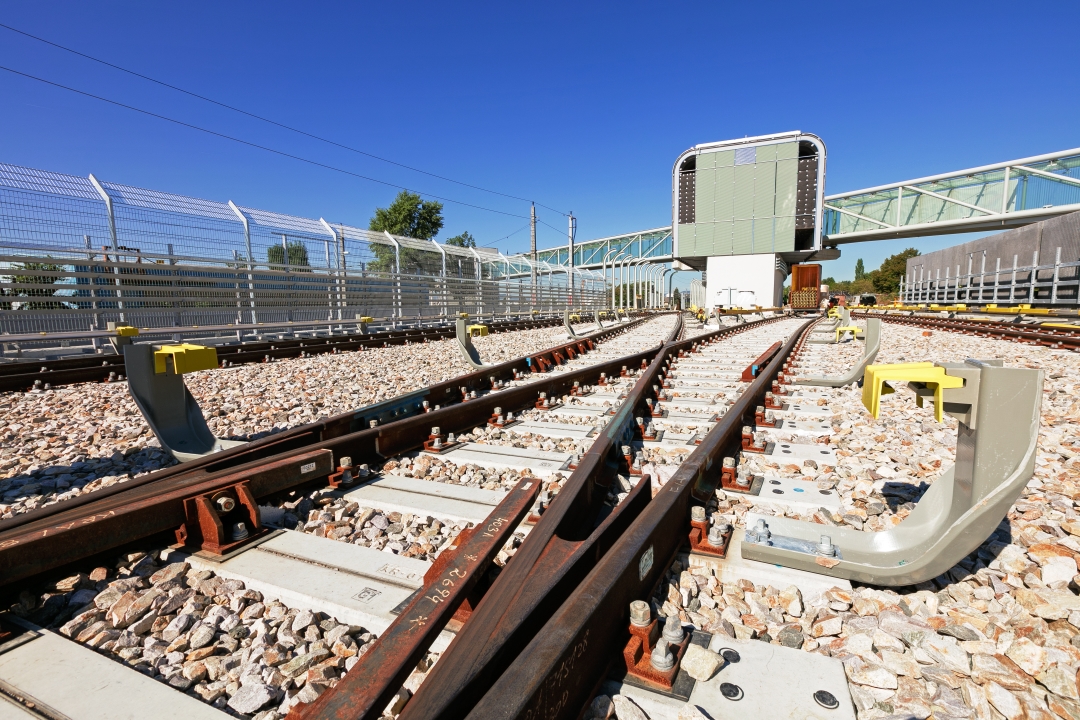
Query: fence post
<point>115,244</point>
<point>1057,274</point>
<point>1034,275</point>
<point>982,276</point>
<point>1012,286</point>
<point>250,259</point>
<point>177,311</point>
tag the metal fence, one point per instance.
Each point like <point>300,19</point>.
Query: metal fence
<point>1057,283</point>
<point>77,253</point>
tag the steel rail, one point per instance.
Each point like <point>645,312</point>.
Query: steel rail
<point>43,541</point>
<point>565,661</point>
<point>371,688</point>
<point>371,685</point>
<point>294,439</point>
<point>1048,337</point>
<point>23,374</point>
<point>556,556</point>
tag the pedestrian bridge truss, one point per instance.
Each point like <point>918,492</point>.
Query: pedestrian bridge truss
<point>992,197</point>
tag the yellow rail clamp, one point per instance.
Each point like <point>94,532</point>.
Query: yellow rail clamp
<point>186,358</point>
<point>575,318</point>
<point>478,330</point>
<point>366,319</point>
<point>463,315</point>
<point>927,373</point>
<point>127,331</point>
<point>853,329</point>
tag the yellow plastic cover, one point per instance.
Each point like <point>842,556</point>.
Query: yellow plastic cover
<point>853,329</point>
<point>186,358</point>
<point>366,319</point>
<point>874,383</point>
<point>127,331</point>
<point>478,330</point>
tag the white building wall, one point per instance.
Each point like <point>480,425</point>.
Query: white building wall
<point>743,281</point>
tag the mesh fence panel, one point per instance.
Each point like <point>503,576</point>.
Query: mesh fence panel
<point>167,260</point>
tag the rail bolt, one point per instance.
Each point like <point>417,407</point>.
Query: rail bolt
<point>825,546</point>
<point>224,503</point>
<point>436,430</point>
<point>239,532</point>
<point>345,462</point>
<point>673,630</point>
<point>717,532</point>
<point>697,513</point>
<point>661,657</point>
<point>640,613</point>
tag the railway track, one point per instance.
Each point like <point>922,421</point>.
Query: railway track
<point>1054,337</point>
<point>577,411</point>
<point>30,374</point>
<point>568,494</point>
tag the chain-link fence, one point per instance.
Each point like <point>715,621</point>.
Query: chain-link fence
<point>78,253</point>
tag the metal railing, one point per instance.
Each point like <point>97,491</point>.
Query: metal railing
<point>1057,283</point>
<point>75,291</point>
<point>77,253</point>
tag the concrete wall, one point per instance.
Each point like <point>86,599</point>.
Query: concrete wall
<point>1022,244</point>
<point>743,281</point>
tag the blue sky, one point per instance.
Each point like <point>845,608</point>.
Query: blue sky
<point>580,106</point>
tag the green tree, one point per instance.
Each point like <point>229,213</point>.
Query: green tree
<point>860,269</point>
<point>33,273</point>
<point>297,252</point>
<point>465,240</point>
<point>886,279</point>
<point>408,216</point>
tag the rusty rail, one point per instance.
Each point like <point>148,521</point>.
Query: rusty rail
<point>556,556</point>
<point>74,530</point>
<point>370,686</point>
<point>754,368</point>
<point>1048,337</point>
<point>22,375</point>
<point>565,661</point>
<point>303,436</point>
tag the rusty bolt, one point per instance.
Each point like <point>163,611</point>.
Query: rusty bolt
<point>225,503</point>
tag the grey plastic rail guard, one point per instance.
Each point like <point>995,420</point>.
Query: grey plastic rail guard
<point>468,350</point>
<point>998,413</point>
<point>173,414</point>
<point>873,345</point>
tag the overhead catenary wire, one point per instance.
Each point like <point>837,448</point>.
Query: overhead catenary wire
<point>262,118</point>
<point>266,148</point>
